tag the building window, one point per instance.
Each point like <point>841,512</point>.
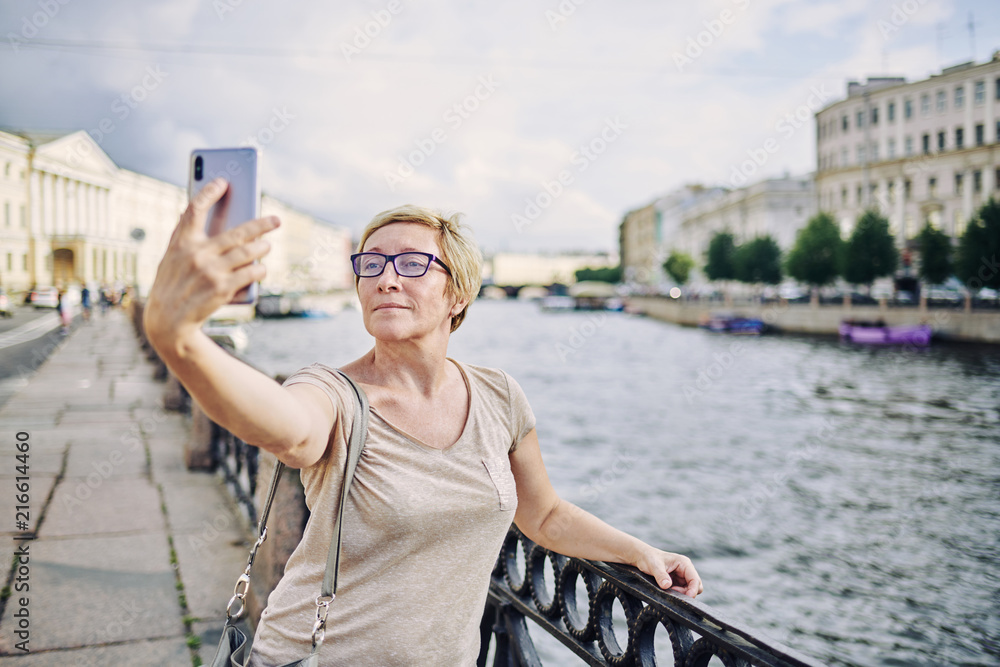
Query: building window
<point>892,192</point>
<point>959,137</point>
<point>844,123</point>
<point>860,119</point>
<point>890,111</point>
<point>24,218</point>
<point>980,134</point>
<point>907,108</point>
<point>861,154</point>
<point>843,196</point>
<point>926,139</point>
<point>860,195</point>
<point>874,115</point>
<point>977,181</point>
<point>942,101</point>
<point>980,92</point>
<point>843,157</point>
<point>10,261</point>
<point>996,180</point>
<point>891,148</point>
<point>24,262</point>
<point>959,97</point>
<point>907,189</point>
<point>6,170</point>
<point>6,214</point>
<point>998,89</point>
<point>925,104</point>
<point>908,146</point>
<point>998,132</point>
<point>941,141</point>
<point>932,187</point>
<point>874,151</point>
<point>958,183</point>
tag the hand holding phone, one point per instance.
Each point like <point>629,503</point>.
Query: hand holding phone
<point>240,203</point>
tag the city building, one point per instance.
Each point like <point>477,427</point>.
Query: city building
<point>776,207</point>
<point>919,152</point>
<point>72,216</point>
<point>687,218</point>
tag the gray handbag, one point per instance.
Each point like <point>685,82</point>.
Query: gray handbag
<point>234,647</point>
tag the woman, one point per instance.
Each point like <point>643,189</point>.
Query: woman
<point>451,459</point>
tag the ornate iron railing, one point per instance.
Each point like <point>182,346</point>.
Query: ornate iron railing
<point>519,592</point>
<point>237,463</point>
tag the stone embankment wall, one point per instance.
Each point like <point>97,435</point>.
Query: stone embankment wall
<point>951,324</point>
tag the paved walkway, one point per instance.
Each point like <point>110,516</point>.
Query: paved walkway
<point>135,557</point>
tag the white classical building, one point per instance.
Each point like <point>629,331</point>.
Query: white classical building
<point>72,216</point>
<point>920,152</point>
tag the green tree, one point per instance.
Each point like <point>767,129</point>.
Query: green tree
<point>935,255</point>
<point>678,266</point>
<point>814,259</point>
<point>978,249</point>
<point>871,251</point>
<point>759,261</point>
<point>606,274</point>
<point>721,257</point>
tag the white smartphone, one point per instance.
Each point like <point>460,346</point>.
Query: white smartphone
<point>239,166</point>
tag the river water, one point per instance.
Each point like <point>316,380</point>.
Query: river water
<point>841,500</point>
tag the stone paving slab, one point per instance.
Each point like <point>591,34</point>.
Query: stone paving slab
<point>201,557</point>
<point>106,418</point>
<point>97,505</point>
<point>148,653</point>
<point>127,578</point>
<point>167,457</point>
<point>105,457</point>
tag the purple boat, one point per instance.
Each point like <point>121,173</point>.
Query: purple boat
<point>877,333</point>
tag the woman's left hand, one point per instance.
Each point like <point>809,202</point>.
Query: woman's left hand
<point>671,571</point>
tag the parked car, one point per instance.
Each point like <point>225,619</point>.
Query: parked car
<point>5,308</point>
<point>45,297</point>
<point>986,295</point>
<point>942,295</point>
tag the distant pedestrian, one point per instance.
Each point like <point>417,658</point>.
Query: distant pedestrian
<point>62,306</point>
<point>85,302</point>
<point>105,299</point>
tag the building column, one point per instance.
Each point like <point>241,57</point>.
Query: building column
<point>899,209</point>
<point>966,194</point>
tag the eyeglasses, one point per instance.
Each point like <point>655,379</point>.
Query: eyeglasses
<point>406,264</point>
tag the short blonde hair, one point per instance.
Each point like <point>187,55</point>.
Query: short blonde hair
<point>458,251</point>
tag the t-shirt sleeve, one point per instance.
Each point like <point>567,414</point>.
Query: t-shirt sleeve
<point>329,381</point>
<point>522,419</point>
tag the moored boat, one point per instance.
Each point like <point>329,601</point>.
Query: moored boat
<point>878,333</point>
<point>728,323</point>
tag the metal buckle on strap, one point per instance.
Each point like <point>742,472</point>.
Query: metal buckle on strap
<point>319,627</point>
<point>239,595</point>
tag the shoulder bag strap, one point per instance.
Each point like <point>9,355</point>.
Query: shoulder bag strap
<point>359,431</point>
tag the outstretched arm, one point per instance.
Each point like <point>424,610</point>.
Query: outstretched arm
<point>197,275</point>
<point>550,521</point>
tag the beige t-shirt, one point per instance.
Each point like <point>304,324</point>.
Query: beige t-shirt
<point>422,530</point>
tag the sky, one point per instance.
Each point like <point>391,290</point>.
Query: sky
<point>544,122</point>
